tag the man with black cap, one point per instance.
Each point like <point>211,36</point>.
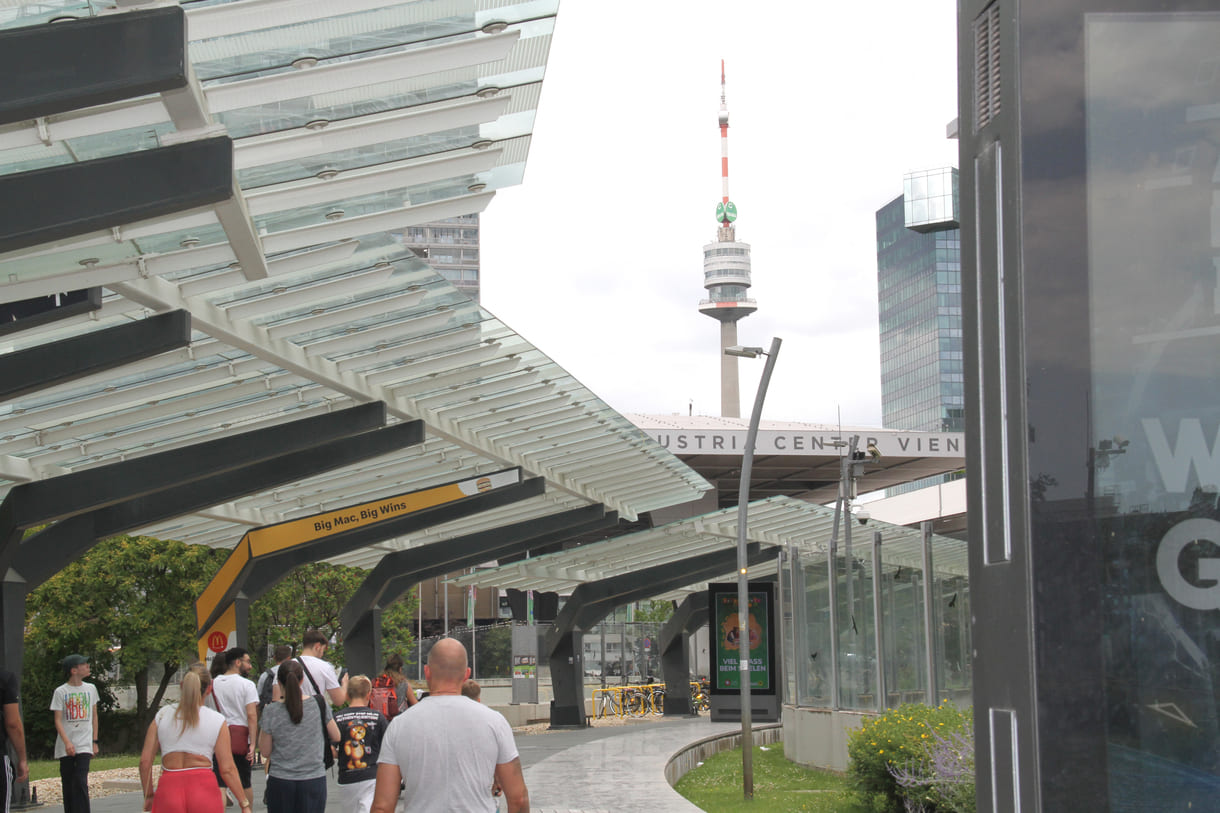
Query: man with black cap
<point>75,707</point>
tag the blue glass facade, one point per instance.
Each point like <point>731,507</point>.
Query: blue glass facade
<point>920,313</point>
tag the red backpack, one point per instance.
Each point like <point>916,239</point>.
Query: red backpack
<point>384,696</point>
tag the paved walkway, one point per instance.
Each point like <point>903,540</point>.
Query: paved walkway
<point>624,773</point>
<point>585,771</point>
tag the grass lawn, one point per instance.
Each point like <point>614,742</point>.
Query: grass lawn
<point>779,785</point>
<point>49,768</point>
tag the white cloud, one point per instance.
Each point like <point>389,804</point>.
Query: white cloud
<point>597,257</point>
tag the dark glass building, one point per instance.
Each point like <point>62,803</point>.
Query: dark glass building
<point>1090,155</point>
<point>920,305</point>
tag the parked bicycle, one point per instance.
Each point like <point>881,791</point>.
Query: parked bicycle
<point>629,701</point>
<point>608,702</point>
<point>698,696</point>
<point>656,698</point>
<point>648,698</point>
<point>635,701</point>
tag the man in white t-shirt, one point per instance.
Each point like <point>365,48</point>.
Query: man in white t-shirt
<point>235,696</point>
<point>323,672</point>
<point>448,751</point>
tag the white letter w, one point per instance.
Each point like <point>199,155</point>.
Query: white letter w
<point>1174,464</point>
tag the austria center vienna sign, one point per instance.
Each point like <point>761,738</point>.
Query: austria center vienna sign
<point>811,443</point>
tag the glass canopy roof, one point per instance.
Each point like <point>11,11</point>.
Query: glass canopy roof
<point>778,521</point>
<point>351,122</point>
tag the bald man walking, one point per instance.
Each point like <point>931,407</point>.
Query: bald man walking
<point>448,750</point>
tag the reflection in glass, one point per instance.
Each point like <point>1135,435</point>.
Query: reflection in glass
<point>787,621</point>
<point>903,631</point>
<point>812,657</point>
<point>857,641</point>
<point>1153,169</point>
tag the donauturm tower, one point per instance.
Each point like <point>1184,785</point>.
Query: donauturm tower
<point>726,275</point>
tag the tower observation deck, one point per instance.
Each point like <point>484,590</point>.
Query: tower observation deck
<point>726,276</point>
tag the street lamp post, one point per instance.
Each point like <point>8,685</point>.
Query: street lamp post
<point>743,578</point>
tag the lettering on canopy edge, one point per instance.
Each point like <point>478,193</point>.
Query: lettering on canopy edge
<point>283,536</point>
<point>809,443</point>
<point>276,538</point>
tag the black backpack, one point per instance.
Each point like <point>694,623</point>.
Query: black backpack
<point>266,684</point>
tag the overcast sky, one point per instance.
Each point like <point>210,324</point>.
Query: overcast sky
<point>597,257</point>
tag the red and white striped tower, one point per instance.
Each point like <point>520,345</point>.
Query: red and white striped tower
<point>724,143</point>
<point>726,274</point>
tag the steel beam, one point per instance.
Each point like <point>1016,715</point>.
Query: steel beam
<point>25,371</point>
<point>50,69</point>
<point>45,501</point>
<point>267,571</point>
<point>689,616</point>
<point>255,576</point>
<point>113,191</point>
<point>592,601</point>
<point>397,572</point>
<point>44,554</point>
<point>23,314</point>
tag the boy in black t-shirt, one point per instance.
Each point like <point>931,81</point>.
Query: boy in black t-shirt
<point>360,731</point>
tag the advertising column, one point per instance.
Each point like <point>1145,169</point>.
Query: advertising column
<point>727,638</point>
<point>525,664</point>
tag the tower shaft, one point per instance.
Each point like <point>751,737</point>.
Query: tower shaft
<point>730,390</point>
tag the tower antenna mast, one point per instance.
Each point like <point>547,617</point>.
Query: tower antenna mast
<point>724,148</point>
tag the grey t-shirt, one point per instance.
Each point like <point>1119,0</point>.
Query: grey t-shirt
<point>447,749</point>
<point>296,750</point>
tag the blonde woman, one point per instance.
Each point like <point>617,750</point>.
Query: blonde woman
<point>188,735</point>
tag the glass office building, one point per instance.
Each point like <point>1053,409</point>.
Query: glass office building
<point>919,305</point>
<point>451,246</point>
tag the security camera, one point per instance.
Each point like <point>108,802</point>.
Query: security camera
<point>863,517</point>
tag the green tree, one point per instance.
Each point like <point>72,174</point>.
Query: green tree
<point>126,604</point>
<point>313,596</point>
<point>310,596</point>
<point>495,651</point>
<point>656,612</point>
<point>398,626</point>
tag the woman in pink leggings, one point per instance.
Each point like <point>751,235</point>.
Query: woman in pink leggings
<point>187,736</point>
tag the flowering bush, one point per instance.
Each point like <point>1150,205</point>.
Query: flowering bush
<point>905,740</point>
<point>944,779</point>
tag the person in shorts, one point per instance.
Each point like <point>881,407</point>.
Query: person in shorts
<point>360,731</point>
